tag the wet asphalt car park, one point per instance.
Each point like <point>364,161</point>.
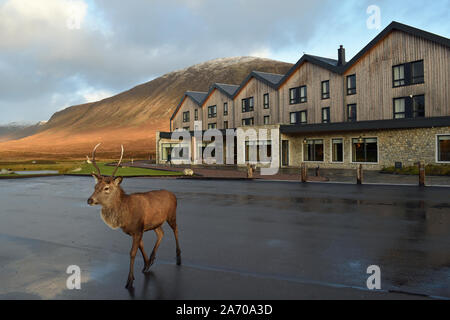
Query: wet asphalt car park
<point>239,240</point>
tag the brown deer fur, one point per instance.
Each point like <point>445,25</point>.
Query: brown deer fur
<point>135,214</point>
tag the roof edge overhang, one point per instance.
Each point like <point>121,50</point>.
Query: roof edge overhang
<point>390,124</point>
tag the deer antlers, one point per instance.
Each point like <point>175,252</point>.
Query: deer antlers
<point>118,163</point>
<point>94,163</point>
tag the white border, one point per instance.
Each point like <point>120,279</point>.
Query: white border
<point>368,137</point>
<point>437,147</point>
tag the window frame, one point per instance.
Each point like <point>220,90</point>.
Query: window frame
<point>423,72</point>
<point>251,107</point>
<point>343,149</point>
<point>409,104</point>
<point>268,120</point>
<point>351,91</point>
<point>356,112</point>
<point>225,108</point>
<point>248,125</point>
<point>437,147</point>
<point>325,95</point>
<point>298,99</point>
<point>409,79</point>
<point>323,150</point>
<point>298,117</point>
<point>212,115</point>
<point>212,125</point>
<point>351,150</point>
<point>195,114</point>
<point>404,76</point>
<point>186,118</point>
<point>328,114</point>
<point>266,105</point>
<point>225,122</point>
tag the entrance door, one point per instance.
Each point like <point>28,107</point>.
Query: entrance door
<point>285,153</point>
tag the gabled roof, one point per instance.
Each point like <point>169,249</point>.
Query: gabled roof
<point>326,63</point>
<point>226,89</point>
<point>400,27</point>
<point>331,64</point>
<point>270,79</point>
<point>196,96</point>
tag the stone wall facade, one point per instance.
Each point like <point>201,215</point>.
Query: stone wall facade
<point>407,146</point>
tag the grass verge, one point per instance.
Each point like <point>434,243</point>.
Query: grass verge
<point>123,171</point>
<point>76,168</point>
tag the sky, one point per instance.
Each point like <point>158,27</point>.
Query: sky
<point>58,53</point>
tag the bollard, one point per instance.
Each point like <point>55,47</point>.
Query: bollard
<point>359,174</point>
<point>249,171</point>
<point>317,171</point>
<point>421,174</point>
<point>303,172</point>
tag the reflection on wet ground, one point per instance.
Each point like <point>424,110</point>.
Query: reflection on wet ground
<point>239,240</point>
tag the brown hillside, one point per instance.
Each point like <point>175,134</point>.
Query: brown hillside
<point>131,117</point>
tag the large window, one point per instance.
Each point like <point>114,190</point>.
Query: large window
<point>326,89</point>
<point>299,117</point>
<point>417,74</point>
<point>166,151</point>
<point>186,116</point>
<point>248,122</point>
<point>408,73</point>
<point>225,108</point>
<point>313,150</point>
<point>398,73</point>
<point>212,111</point>
<point>351,84</point>
<point>409,107</point>
<point>247,104</point>
<point>365,150</point>
<point>351,112</point>
<point>337,150</point>
<point>253,149</point>
<point>443,148</point>
<point>297,95</point>
<point>266,101</point>
<point>326,115</point>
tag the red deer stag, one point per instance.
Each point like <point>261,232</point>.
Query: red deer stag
<point>134,213</point>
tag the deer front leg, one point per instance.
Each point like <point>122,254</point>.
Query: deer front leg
<point>136,241</point>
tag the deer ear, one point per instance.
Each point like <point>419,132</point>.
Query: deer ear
<point>96,177</point>
<point>118,180</point>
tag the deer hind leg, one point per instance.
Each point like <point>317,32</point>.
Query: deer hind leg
<point>144,255</point>
<point>136,241</point>
<point>159,233</point>
<point>173,225</point>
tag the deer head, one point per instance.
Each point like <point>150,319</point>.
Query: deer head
<point>107,189</point>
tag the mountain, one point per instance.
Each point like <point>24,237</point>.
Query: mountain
<point>132,117</point>
<point>15,131</point>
